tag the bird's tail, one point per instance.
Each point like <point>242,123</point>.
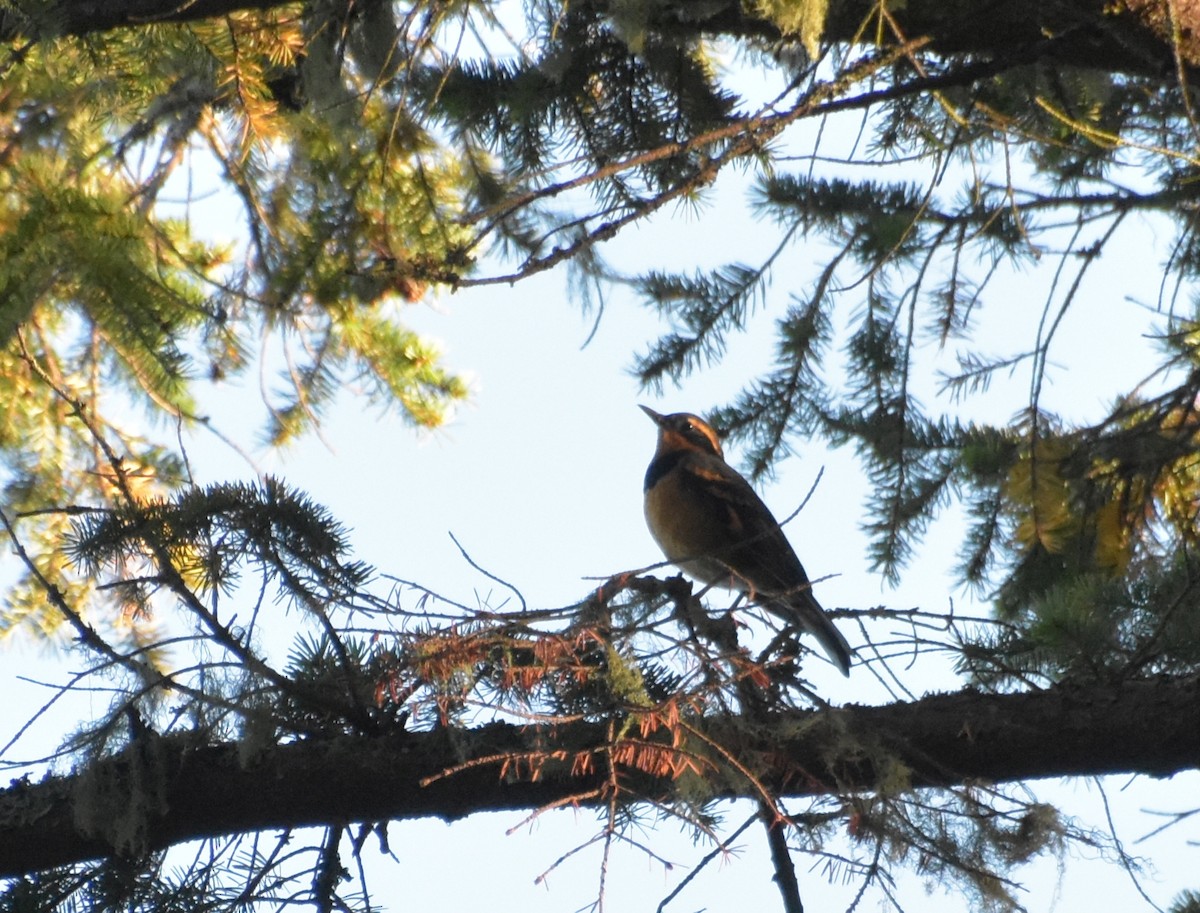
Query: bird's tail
<point>809,615</point>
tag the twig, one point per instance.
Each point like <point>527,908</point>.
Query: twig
<point>488,574</point>
<point>719,850</point>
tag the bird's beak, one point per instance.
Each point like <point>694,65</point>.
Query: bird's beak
<point>654,416</point>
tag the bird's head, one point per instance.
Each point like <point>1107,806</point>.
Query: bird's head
<point>682,430</point>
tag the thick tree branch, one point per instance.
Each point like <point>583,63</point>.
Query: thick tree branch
<point>1118,37</point>
<point>88,17</point>
<point>162,791</point>
<point>1135,36</point>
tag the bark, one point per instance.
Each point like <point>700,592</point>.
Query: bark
<point>162,791</point>
<point>1129,36</point>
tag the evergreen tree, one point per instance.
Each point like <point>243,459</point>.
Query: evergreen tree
<point>376,150</point>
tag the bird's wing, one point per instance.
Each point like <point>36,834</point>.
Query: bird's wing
<point>743,533</point>
<point>745,536</point>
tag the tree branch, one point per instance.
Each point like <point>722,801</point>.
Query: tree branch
<point>1131,37</point>
<point>87,17</point>
<point>163,790</point>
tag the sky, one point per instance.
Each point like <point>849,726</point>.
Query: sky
<point>539,478</point>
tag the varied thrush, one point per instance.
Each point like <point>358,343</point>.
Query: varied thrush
<point>711,524</point>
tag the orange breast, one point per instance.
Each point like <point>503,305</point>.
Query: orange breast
<point>686,536</point>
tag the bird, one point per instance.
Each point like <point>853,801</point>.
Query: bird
<point>711,524</point>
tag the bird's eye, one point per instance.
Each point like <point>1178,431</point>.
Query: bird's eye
<point>701,435</point>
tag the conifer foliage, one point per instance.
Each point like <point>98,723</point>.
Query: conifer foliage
<point>375,150</point>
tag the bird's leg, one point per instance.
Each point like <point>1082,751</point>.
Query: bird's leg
<point>703,627</point>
